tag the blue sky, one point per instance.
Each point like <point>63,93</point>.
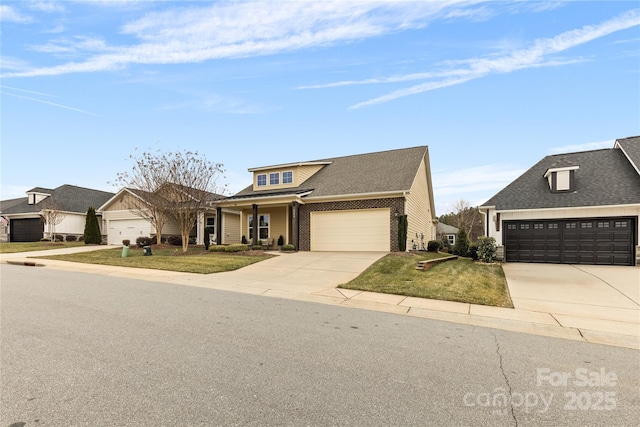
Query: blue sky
<point>491,87</point>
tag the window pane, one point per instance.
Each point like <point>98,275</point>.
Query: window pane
<point>262,180</point>
<point>287,177</point>
<point>274,178</point>
<point>264,233</point>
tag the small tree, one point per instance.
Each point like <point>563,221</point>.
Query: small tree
<point>92,233</point>
<point>461,247</point>
<point>403,225</point>
<point>51,215</point>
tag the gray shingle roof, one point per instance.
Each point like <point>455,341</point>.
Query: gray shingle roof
<point>69,197</point>
<point>385,171</point>
<point>631,147</point>
<point>605,178</point>
<point>442,228</point>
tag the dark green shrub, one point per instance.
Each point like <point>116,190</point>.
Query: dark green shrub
<point>487,249</point>
<point>217,248</point>
<point>403,225</point>
<point>244,240</point>
<point>256,247</point>
<point>58,238</point>
<point>236,248</point>
<point>208,231</point>
<point>71,238</point>
<point>473,251</point>
<point>434,245</point>
<point>288,248</point>
<point>446,244</point>
<point>461,247</point>
<point>92,233</point>
<point>281,240</point>
<point>174,240</point>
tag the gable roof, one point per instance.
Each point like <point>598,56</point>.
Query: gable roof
<point>380,172</point>
<point>153,198</point>
<point>631,149</point>
<point>442,228</point>
<point>605,178</point>
<point>70,198</point>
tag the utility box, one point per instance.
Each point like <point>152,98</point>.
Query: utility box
<point>146,250</point>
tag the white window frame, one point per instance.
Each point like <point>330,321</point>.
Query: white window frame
<point>206,221</point>
<point>258,180</point>
<point>283,175</point>
<point>268,226</point>
<point>274,176</point>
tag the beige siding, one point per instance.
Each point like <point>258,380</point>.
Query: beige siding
<point>277,221</point>
<point>300,175</point>
<point>419,210</point>
<point>124,202</point>
<point>231,224</point>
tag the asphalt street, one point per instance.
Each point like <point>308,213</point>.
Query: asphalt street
<point>93,350</point>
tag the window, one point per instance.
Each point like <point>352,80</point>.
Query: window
<point>452,239</point>
<point>538,226</point>
<point>524,226</point>
<point>262,180</point>
<point>274,178</point>
<point>263,226</point>
<point>287,177</point>
<point>586,225</point>
<point>511,227</point>
<point>603,224</point>
<point>620,224</point>
<point>570,225</point>
<point>211,221</point>
<point>552,226</point>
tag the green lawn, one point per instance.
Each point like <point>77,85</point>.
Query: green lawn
<point>461,280</point>
<point>197,260</point>
<point>13,247</point>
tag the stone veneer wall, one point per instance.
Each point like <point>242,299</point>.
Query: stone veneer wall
<point>395,204</point>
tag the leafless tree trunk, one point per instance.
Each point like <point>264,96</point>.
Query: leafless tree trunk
<point>52,215</point>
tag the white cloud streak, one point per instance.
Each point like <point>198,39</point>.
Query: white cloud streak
<point>244,29</point>
<point>42,101</point>
<point>10,14</point>
<point>582,147</point>
<point>517,60</point>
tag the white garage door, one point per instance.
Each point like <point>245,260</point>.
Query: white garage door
<point>356,230</point>
<point>130,229</point>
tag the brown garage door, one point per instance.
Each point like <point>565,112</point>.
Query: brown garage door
<point>605,241</point>
<point>26,230</point>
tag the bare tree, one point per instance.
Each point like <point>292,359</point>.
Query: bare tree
<point>175,185</point>
<point>52,215</point>
<point>465,216</point>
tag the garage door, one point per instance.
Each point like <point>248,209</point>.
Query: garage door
<point>605,241</point>
<point>26,230</point>
<point>355,230</point>
<point>129,229</point>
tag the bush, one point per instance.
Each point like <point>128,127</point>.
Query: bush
<point>217,248</point>
<point>434,245</point>
<point>174,240</point>
<point>280,240</point>
<point>288,248</point>
<point>126,242</point>
<point>59,238</point>
<point>71,238</point>
<point>446,244</point>
<point>487,249</point>
<point>143,241</point>
<point>256,247</point>
<point>81,239</point>
<point>473,251</point>
<point>403,225</point>
<point>462,244</point>
<point>92,228</point>
<point>236,248</point>
<point>244,240</point>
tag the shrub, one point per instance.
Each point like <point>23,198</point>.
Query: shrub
<point>59,238</point>
<point>446,244</point>
<point>473,251</point>
<point>280,240</point>
<point>92,228</point>
<point>217,248</point>
<point>208,231</point>
<point>236,248</point>
<point>288,248</point>
<point>71,238</point>
<point>487,249</point>
<point>244,240</point>
<point>403,224</point>
<point>81,239</point>
<point>462,244</point>
<point>174,240</point>
<point>143,241</point>
<point>126,242</point>
<point>256,247</point>
<point>434,246</point>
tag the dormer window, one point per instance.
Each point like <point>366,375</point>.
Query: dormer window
<point>262,180</point>
<point>274,178</point>
<point>562,179</point>
<point>287,177</point>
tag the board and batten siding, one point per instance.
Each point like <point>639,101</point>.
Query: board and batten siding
<point>420,217</point>
<point>70,224</point>
<point>230,228</point>
<point>561,213</point>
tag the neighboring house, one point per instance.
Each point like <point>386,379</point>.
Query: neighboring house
<point>24,215</point>
<point>574,208</point>
<point>446,231</point>
<point>347,203</point>
<point>123,221</point>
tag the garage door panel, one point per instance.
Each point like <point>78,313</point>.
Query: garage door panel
<point>26,230</point>
<point>128,229</point>
<point>353,230</point>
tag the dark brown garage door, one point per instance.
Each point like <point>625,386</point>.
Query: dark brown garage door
<point>606,241</point>
<point>26,230</point>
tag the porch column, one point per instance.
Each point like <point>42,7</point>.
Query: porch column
<point>295,224</point>
<point>254,242</point>
<point>218,226</point>
<point>200,229</point>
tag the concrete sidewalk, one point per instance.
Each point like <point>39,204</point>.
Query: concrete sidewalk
<point>314,277</point>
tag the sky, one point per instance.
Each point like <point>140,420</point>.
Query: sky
<point>490,86</point>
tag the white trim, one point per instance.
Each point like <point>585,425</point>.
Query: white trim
<point>292,177</point>
<point>288,165</point>
<point>249,238</point>
<point>636,205</point>
<point>361,196</point>
<point>271,175</point>
<point>619,147</point>
<point>567,168</point>
<point>258,180</point>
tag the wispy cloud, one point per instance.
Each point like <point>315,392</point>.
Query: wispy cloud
<point>243,29</point>
<point>474,179</point>
<point>534,56</point>
<point>7,90</point>
<point>582,147</point>
<point>10,14</point>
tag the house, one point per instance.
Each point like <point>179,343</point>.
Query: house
<point>574,208</point>
<point>24,215</point>
<point>126,217</point>
<point>347,203</point>
<point>446,231</point>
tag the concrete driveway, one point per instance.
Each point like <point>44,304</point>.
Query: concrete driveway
<point>588,297</point>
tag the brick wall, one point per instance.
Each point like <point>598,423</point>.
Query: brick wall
<point>395,205</point>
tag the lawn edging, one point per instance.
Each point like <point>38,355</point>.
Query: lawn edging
<point>428,263</point>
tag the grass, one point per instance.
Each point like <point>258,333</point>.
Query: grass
<point>196,260</point>
<point>461,280</point>
<point>14,247</point>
